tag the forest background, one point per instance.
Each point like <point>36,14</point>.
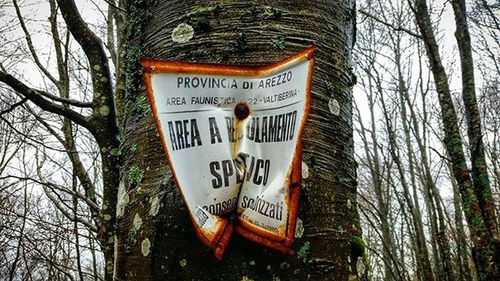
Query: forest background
<point>416,215</point>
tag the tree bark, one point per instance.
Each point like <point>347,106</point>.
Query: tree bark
<point>480,176</point>
<point>462,253</point>
<point>163,245</point>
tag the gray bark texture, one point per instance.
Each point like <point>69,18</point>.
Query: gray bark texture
<point>164,246</point>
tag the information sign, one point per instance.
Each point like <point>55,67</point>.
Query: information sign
<point>231,135</point>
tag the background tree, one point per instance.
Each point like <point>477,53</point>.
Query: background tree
<point>397,89</point>
<point>73,132</point>
<point>474,186</point>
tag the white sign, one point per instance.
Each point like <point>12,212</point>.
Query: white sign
<point>232,138</point>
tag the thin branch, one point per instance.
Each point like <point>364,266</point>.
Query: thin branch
<point>73,102</point>
<point>91,205</point>
<point>26,136</point>
<point>396,28</point>
<point>12,107</point>
<point>110,35</point>
<point>62,67</point>
<point>112,4</point>
<point>59,204</point>
<point>439,154</point>
<point>31,46</point>
<point>37,97</point>
<point>74,157</point>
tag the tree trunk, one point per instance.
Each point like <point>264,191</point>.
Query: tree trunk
<point>479,216</point>
<point>462,253</point>
<point>155,238</point>
<point>440,246</point>
<point>382,205</point>
<point>412,203</point>
<point>479,169</point>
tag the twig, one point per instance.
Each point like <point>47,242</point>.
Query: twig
<point>396,28</point>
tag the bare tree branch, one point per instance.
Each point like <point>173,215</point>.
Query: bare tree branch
<point>75,160</point>
<point>12,107</point>
<point>396,28</point>
<point>59,204</point>
<point>91,205</point>
<point>37,97</point>
<point>73,102</point>
<point>31,46</point>
<point>94,50</point>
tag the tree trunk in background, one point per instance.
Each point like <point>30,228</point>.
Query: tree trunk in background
<point>411,201</point>
<point>462,253</point>
<point>476,145</point>
<point>479,215</point>
<point>155,237</point>
<point>381,205</point>
<point>440,246</point>
<point>480,176</point>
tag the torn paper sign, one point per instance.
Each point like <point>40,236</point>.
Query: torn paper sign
<point>232,139</point>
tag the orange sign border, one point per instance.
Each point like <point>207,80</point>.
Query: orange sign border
<point>246,229</point>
